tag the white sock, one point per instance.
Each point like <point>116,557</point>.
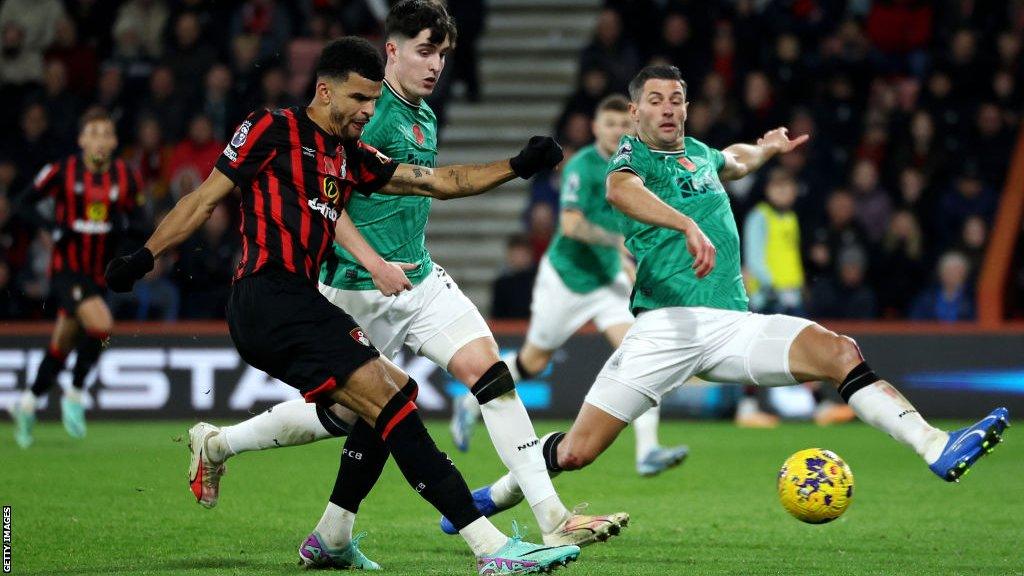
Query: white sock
<point>73,394</point>
<point>509,358</point>
<point>335,526</point>
<point>27,402</point>
<point>646,429</point>
<point>505,491</point>
<point>471,405</point>
<point>483,537</point>
<point>883,407</point>
<point>520,450</point>
<point>290,423</point>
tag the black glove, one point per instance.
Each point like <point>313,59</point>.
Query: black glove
<point>540,153</point>
<point>122,272</point>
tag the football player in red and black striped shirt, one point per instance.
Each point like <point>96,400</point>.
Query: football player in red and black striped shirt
<point>83,201</point>
<point>296,169</point>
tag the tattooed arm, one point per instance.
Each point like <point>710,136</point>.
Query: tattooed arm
<point>448,181</point>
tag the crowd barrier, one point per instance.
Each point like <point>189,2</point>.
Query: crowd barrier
<point>191,371</point>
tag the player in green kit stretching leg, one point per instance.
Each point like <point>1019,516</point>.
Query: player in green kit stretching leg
<point>691,306</point>
<point>399,296</point>
<point>585,276</point>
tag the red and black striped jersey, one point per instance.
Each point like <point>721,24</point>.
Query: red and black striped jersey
<point>86,209</point>
<point>295,180</point>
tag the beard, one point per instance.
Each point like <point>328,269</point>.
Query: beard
<point>337,120</point>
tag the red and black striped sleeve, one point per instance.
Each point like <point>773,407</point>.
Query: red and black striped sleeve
<point>251,148</point>
<point>48,180</point>
<point>369,167</point>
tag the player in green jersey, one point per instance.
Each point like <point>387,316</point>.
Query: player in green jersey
<point>385,279</point>
<point>691,307</point>
<point>586,275</point>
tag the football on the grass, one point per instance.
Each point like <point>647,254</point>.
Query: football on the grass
<point>815,485</point>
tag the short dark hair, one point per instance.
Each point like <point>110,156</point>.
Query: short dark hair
<point>410,17</point>
<point>613,103</point>
<point>350,54</point>
<point>94,114</point>
<point>636,85</point>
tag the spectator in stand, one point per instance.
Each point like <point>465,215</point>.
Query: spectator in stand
<point>27,28</point>
<point>110,95</point>
<point>902,267</point>
<point>681,49</point>
<point>541,228</point>
<point>164,104</point>
<point>993,143</point>
<point>771,250</point>
<point>842,230</point>
<point>593,86</point>
<point>274,90</point>
<point>973,238</point>
<point>33,146</point>
<point>609,50</point>
<point>513,288</point>
<point>190,57</point>
<point>873,204</point>
<point>968,196</point>
<point>10,297</point>
<point>218,102</point>
<point>470,17</point>
<point>847,296</point>
<point>245,67</point>
<point>193,158</point>
<point>950,299</point>
<point>268,21</point>
<point>80,60</point>
<point>205,267</point>
<point>62,107</point>
<point>151,157</point>
<point>760,112</point>
<point>142,21</point>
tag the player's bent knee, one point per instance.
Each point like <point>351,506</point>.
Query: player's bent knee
<point>576,457</point>
<point>847,354</point>
<point>496,382</point>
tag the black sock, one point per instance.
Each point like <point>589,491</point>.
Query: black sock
<point>861,376</point>
<point>88,353</point>
<point>427,469</point>
<point>362,461</point>
<point>550,451</point>
<point>49,368</point>
<point>334,425</point>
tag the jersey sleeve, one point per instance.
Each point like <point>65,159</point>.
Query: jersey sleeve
<point>717,158</point>
<point>370,169</point>
<point>47,181</point>
<point>249,149</point>
<point>628,159</point>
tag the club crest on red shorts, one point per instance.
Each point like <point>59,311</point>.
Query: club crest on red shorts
<point>358,335</point>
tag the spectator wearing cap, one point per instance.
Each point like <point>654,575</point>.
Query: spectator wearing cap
<point>950,299</point>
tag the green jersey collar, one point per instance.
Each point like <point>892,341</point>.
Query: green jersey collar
<point>401,98</point>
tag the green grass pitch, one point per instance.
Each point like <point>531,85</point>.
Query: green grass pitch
<point>118,503</point>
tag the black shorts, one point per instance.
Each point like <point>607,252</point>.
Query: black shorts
<point>70,289</point>
<point>282,325</point>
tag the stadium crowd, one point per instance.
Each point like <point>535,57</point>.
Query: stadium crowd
<point>913,108</point>
<point>177,76</point>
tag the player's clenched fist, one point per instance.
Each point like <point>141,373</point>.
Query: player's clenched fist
<point>701,248</point>
<point>122,272</point>
<point>540,153</point>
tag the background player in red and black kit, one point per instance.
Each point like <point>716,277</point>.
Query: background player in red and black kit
<point>84,202</point>
<point>296,168</point>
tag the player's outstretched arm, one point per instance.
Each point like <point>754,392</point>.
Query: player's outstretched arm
<point>185,218</point>
<point>576,226</point>
<point>448,182</point>
<point>742,159</point>
<point>388,277</point>
<point>626,191</point>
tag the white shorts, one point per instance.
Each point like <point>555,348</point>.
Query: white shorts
<point>665,347</point>
<point>557,312</point>
<point>435,318</point>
